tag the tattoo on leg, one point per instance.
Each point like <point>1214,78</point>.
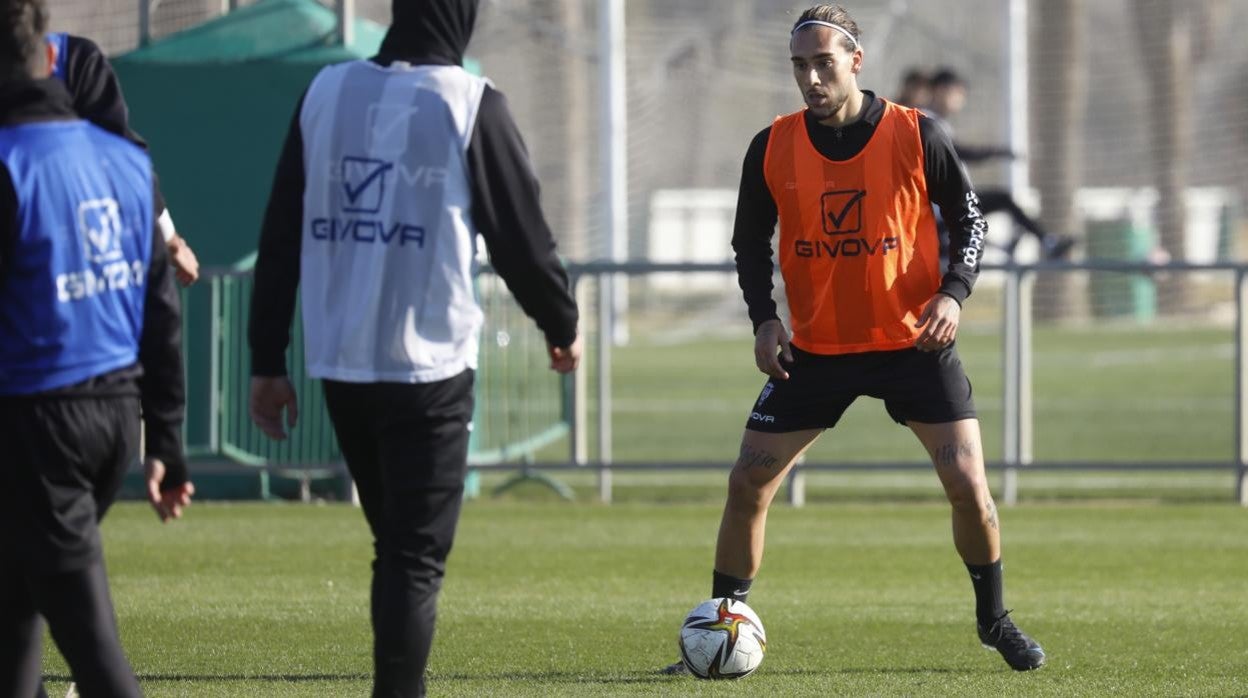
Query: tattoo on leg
<point>751,458</point>
<point>947,456</point>
<point>992,515</point>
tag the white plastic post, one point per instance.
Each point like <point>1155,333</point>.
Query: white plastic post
<point>612,78</point>
<point>1241,388</point>
<point>345,9</point>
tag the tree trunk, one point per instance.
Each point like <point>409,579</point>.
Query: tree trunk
<point>1165,34</point>
<point>1058,86</point>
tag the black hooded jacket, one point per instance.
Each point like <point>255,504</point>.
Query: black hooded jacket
<point>505,197</point>
<point>97,97</point>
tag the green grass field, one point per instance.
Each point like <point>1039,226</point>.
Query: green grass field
<point>583,600</point>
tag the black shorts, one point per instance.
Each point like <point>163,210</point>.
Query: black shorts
<point>924,387</point>
<point>64,460</point>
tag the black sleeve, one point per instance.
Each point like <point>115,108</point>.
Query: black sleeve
<point>8,218</point>
<point>277,263</point>
<point>752,232</point>
<point>507,212</point>
<point>97,95</point>
<point>982,153</point>
<point>949,187</point>
<point>161,388</point>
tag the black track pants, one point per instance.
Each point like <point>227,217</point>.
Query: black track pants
<point>63,460</point>
<point>407,449</point>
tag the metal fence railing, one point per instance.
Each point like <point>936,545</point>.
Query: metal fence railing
<point>1018,323</point>
<point>1070,377</point>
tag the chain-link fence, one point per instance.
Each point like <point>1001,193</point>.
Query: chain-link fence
<point>705,75</point>
<point>1137,141</point>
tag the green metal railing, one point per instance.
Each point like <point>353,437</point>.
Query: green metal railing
<point>521,406</point>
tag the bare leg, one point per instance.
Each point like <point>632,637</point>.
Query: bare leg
<point>958,455</point>
<point>957,452</point>
<point>760,468</point>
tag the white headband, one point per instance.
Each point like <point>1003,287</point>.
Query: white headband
<point>821,23</point>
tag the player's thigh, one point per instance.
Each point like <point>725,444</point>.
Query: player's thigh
<point>957,452</point>
<point>56,451</point>
<point>925,387</point>
<point>423,447</point>
<point>814,396</point>
<point>353,412</point>
<point>765,457</point>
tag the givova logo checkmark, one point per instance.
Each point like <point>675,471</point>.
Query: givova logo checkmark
<point>842,211</point>
<point>364,183</point>
<point>100,223</point>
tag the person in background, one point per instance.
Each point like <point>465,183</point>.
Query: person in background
<point>949,95</point>
<point>89,346</point>
<point>916,89</point>
<point>97,97</point>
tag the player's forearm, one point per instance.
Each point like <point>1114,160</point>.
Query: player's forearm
<point>967,233</point>
<point>523,255</point>
<point>161,388</point>
<point>506,209</point>
<point>949,188</point>
<point>752,229</point>
<point>754,270</point>
<point>540,286</point>
<point>751,244</point>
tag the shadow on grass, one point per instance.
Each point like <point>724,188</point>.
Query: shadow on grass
<point>546,676</point>
<point>208,678</point>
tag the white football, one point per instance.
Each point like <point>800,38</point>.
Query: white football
<point>722,639</point>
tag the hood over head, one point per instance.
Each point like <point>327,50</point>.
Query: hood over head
<point>429,31</point>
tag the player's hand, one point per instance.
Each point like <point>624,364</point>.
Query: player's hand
<point>565,359</point>
<point>269,394</point>
<point>168,503</point>
<point>939,323</point>
<point>185,263</point>
<point>772,336</point>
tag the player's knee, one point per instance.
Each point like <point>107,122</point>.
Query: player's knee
<point>968,495</point>
<point>745,493</point>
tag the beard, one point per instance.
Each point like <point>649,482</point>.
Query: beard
<point>828,106</point>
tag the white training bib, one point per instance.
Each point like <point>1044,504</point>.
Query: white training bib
<point>388,247</point>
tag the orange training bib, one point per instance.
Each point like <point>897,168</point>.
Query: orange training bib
<point>858,244</point>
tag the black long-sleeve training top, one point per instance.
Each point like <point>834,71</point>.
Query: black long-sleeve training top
<point>97,97</point>
<point>948,186</point>
<point>157,377</point>
<point>505,209</point>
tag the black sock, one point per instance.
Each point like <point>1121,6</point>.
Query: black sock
<point>726,587</point>
<point>987,582</point>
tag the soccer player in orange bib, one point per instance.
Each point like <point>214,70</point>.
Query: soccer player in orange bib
<point>851,181</point>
